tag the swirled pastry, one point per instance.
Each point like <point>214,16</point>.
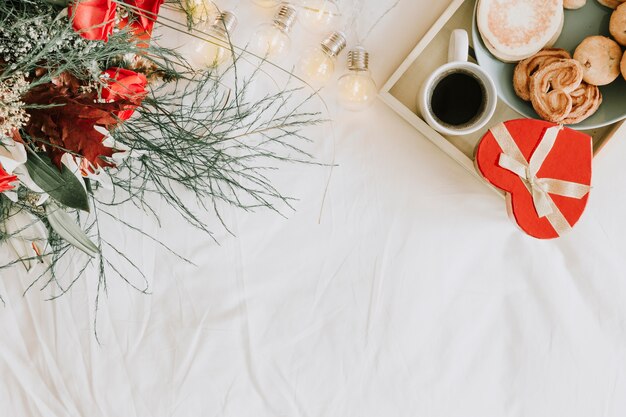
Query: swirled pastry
<point>586,100</point>
<point>551,87</point>
<point>527,67</point>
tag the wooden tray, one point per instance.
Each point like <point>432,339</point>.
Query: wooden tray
<point>400,91</point>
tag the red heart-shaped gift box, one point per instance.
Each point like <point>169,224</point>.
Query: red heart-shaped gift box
<point>568,160</point>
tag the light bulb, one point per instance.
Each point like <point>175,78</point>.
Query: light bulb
<point>317,64</point>
<point>319,15</point>
<point>356,90</point>
<point>267,3</point>
<point>271,40</point>
<point>200,11</point>
<point>217,48</point>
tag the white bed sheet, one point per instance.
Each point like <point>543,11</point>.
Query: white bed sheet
<point>406,292</point>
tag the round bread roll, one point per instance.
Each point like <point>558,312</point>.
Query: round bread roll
<point>513,30</point>
<point>600,57</point>
<point>611,3</point>
<point>624,66</point>
<point>617,27</point>
<point>557,34</point>
<point>574,4</point>
<point>510,59</point>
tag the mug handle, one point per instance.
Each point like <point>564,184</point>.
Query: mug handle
<point>459,46</point>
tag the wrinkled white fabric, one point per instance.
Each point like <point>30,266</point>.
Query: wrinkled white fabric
<point>408,292</point>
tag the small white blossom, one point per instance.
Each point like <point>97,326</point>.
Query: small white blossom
<point>12,113</point>
<point>21,38</point>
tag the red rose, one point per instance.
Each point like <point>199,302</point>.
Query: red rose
<point>5,180</point>
<point>126,86</point>
<point>93,19</point>
<point>145,13</point>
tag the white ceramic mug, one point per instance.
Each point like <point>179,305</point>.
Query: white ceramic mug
<point>457,62</point>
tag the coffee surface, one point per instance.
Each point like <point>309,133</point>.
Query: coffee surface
<point>457,99</point>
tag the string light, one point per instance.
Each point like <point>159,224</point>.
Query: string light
<point>202,12</point>
<point>267,3</point>
<point>218,50</point>
<point>319,16</point>
<point>356,90</point>
<point>317,64</point>
<point>271,40</point>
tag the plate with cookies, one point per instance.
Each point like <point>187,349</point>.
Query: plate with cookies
<point>559,60</point>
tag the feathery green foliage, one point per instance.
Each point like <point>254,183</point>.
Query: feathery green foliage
<point>198,142</point>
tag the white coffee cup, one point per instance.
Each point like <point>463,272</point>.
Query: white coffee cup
<point>457,62</point>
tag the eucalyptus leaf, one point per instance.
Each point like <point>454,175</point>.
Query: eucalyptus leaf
<point>62,185</point>
<point>66,227</point>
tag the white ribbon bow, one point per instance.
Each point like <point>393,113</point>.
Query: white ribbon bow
<point>513,160</point>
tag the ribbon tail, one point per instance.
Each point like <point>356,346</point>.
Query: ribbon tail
<point>559,222</point>
<point>542,202</point>
<point>564,188</point>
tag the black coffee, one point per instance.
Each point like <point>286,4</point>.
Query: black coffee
<point>457,99</point>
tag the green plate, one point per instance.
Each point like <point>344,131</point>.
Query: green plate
<point>592,19</point>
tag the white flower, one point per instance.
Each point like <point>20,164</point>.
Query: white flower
<point>77,164</point>
<point>12,154</point>
<point>74,164</point>
<point>13,157</point>
<point>124,151</point>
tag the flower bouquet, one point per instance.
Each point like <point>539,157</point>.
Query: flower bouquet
<point>94,113</point>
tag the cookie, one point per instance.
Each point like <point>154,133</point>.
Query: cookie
<point>600,57</point>
<point>624,66</point>
<point>526,68</point>
<point>617,27</point>
<point>611,3</point>
<point>551,87</point>
<point>574,4</point>
<point>586,100</point>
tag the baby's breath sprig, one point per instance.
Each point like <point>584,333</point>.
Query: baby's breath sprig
<point>12,113</point>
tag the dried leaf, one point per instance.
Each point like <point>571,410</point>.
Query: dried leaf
<point>69,124</point>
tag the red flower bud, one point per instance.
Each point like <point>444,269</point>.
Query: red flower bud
<point>93,19</point>
<point>145,12</point>
<point>126,86</point>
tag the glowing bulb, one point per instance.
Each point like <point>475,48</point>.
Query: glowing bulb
<point>200,11</point>
<point>317,64</point>
<point>356,89</point>
<point>217,48</point>
<point>271,40</point>
<point>267,3</point>
<point>319,15</point>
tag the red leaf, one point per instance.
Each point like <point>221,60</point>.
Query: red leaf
<point>70,126</point>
